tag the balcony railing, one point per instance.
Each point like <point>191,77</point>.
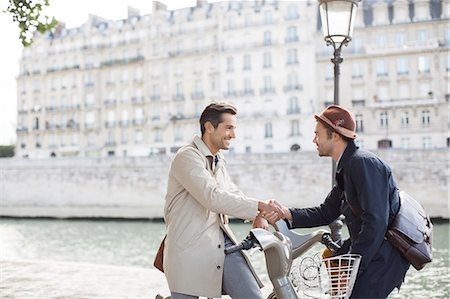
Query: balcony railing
<point>198,95</point>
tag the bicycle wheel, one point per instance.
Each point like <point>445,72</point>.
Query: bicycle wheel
<point>272,296</point>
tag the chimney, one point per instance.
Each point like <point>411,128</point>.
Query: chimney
<point>380,13</point>
<point>133,12</point>
<point>401,12</point>
<point>156,5</point>
<point>422,10</point>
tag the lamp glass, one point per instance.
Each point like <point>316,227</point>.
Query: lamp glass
<point>337,19</point>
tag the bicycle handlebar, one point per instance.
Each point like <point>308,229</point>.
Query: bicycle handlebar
<point>329,243</point>
<point>246,244</point>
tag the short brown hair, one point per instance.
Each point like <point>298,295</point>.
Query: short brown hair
<point>213,113</point>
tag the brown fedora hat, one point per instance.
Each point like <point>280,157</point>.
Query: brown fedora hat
<point>339,119</point>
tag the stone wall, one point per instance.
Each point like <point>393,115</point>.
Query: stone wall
<point>135,187</point>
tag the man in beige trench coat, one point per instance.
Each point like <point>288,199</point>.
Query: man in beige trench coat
<point>200,195</point>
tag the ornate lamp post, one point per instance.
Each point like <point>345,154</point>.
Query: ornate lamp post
<point>338,17</point>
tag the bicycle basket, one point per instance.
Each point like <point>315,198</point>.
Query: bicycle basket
<point>334,277</point>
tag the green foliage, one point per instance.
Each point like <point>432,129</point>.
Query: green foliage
<point>28,14</point>
<point>6,151</point>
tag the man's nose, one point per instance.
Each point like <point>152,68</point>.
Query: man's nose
<point>232,134</point>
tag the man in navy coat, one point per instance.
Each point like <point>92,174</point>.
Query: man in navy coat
<point>366,194</point>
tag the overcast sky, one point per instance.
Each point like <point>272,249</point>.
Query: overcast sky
<point>73,13</point>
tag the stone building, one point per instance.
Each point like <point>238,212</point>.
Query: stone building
<point>136,87</point>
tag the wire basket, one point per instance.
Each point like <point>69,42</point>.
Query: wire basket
<point>334,277</point>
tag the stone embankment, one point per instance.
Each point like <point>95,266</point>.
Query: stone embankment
<point>135,187</point>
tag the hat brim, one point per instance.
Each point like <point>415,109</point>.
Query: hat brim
<point>340,130</point>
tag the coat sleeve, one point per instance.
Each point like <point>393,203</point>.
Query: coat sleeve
<point>370,179</point>
<point>324,214</point>
<point>189,170</point>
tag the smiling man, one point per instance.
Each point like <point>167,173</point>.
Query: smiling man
<point>200,195</point>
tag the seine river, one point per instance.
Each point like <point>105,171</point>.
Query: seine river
<point>134,243</point>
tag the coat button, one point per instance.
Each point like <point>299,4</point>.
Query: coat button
<point>218,267</point>
<point>218,246</point>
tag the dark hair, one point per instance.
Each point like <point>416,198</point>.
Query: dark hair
<point>213,113</point>
<point>330,130</point>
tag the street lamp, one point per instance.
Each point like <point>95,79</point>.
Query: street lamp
<point>338,19</point>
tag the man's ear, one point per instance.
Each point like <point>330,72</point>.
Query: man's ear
<point>209,127</point>
<point>335,136</point>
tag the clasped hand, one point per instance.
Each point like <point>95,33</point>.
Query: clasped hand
<point>271,211</point>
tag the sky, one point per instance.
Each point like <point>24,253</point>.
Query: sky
<point>73,14</point>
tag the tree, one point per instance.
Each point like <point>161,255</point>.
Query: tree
<point>6,151</point>
<point>30,18</point>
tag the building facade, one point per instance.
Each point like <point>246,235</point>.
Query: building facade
<point>136,87</point>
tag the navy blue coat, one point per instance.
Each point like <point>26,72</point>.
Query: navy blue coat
<point>366,194</point>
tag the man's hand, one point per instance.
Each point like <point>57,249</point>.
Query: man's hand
<point>260,222</point>
<point>270,210</point>
<point>282,212</point>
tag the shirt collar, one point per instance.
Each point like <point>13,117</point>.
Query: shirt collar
<point>203,148</point>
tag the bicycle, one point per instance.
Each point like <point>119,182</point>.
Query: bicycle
<point>331,277</point>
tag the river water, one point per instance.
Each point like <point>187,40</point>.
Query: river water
<point>134,244</point>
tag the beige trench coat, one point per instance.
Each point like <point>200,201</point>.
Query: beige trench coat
<point>197,200</point>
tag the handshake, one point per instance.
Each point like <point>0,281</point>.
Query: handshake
<point>272,211</point>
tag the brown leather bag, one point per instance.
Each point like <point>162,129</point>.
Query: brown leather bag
<point>411,232</point>
<point>159,258</point>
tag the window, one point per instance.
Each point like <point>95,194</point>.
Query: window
<point>268,17</point>
<point>124,117</point>
<point>267,38</point>
<point>402,66</point>
<point>247,86</point>
<point>158,135</point>
<point>405,119</point>
<point>425,117</point>
<point>139,113</point>
<point>125,76</point>
<point>110,140</point>
<point>295,127</point>
<point>74,139</point>
<point>356,71</point>
<point>156,93</point>
<point>178,133</point>
<point>248,19</point>
<point>329,72</point>
<point>359,123</point>
<point>400,38</point>
<point>268,130</point>
<point>291,34</point>
<point>231,21</point>
<point>403,90</point>
<point>90,118</point>
<point>292,56</point>
<point>179,88</point>
<point>267,60</point>
<point>426,142</point>
<point>293,81</point>
<point>230,64</point>
<point>293,106</point>
<point>424,64</point>
<point>138,136</point>
<point>422,36</point>
<point>123,137</point>
<point>292,12</point>
<point>404,142</point>
<point>124,95</point>
<point>267,83</point>
<point>230,86</point>
<point>384,119</point>
<point>380,40</point>
<point>247,65</point>
<point>381,68</point>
